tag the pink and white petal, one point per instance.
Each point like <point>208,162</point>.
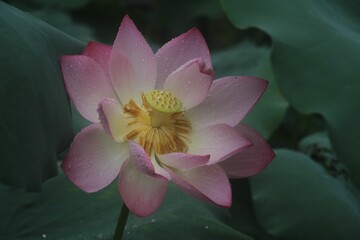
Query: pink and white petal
<point>140,159</point>
<point>251,160</point>
<point>130,48</point>
<point>189,83</point>
<point>112,119</point>
<point>86,83</point>
<point>208,183</point>
<point>94,159</point>
<point>220,141</point>
<point>159,170</point>
<point>142,193</point>
<point>179,51</point>
<point>100,53</point>
<point>229,100</point>
<point>144,163</point>
<point>183,160</point>
<point>123,79</point>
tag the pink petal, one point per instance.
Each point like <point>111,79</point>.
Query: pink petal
<point>189,83</point>
<point>229,100</point>
<point>251,160</point>
<point>208,183</point>
<point>100,53</point>
<point>140,159</point>
<point>132,63</point>
<point>183,160</point>
<point>143,163</point>
<point>179,51</point>
<point>142,193</point>
<point>112,119</point>
<point>94,159</point>
<point>219,141</point>
<point>86,84</point>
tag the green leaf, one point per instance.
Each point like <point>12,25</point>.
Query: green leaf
<point>294,198</point>
<point>35,117</point>
<point>248,59</point>
<point>62,211</point>
<point>316,61</point>
<point>65,23</point>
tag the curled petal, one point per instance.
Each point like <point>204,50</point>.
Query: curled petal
<point>208,183</point>
<point>142,193</point>
<point>251,160</point>
<point>112,119</point>
<point>190,83</point>
<point>183,160</point>
<point>229,100</point>
<point>100,53</point>
<point>94,159</point>
<point>219,141</point>
<point>140,159</point>
<point>132,62</point>
<point>179,51</point>
<point>86,83</point>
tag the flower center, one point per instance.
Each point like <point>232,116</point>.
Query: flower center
<point>160,125</point>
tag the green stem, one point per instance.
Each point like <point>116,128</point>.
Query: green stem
<point>120,227</point>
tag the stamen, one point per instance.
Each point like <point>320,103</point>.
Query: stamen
<point>159,126</point>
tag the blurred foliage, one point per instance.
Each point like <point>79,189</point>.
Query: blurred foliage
<point>295,198</point>
<point>34,114</point>
<point>62,211</point>
<point>316,54</point>
<point>309,52</point>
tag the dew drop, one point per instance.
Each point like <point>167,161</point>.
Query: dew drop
<point>206,227</point>
<point>44,235</point>
<point>153,220</point>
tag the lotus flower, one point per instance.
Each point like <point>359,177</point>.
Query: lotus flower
<point>158,118</point>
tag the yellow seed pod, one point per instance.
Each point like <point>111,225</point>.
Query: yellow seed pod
<point>163,101</point>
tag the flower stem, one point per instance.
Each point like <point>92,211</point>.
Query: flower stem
<point>120,227</point>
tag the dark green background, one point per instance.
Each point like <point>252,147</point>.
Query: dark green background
<point>309,50</point>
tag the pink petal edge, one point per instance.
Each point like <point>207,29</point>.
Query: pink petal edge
<point>132,62</point>
<point>94,159</point>
<point>251,160</point>
<point>112,119</point>
<point>207,183</point>
<point>142,193</point>
<point>100,53</point>
<point>180,50</point>
<point>140,159</point>
<point>229,100</point>
<point>86,83</point>
<point>189,83</point>
<point>183,160</point>
<point>220,141</point>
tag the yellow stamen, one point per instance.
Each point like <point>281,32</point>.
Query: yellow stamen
<point>159,126</point>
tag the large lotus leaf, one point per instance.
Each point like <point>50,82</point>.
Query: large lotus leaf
<point>62,211</point>
<point>242,213</point>
<point>35,117</point>
<point>248,59</point>
<point>295,198</point>
<point>316,59</point>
